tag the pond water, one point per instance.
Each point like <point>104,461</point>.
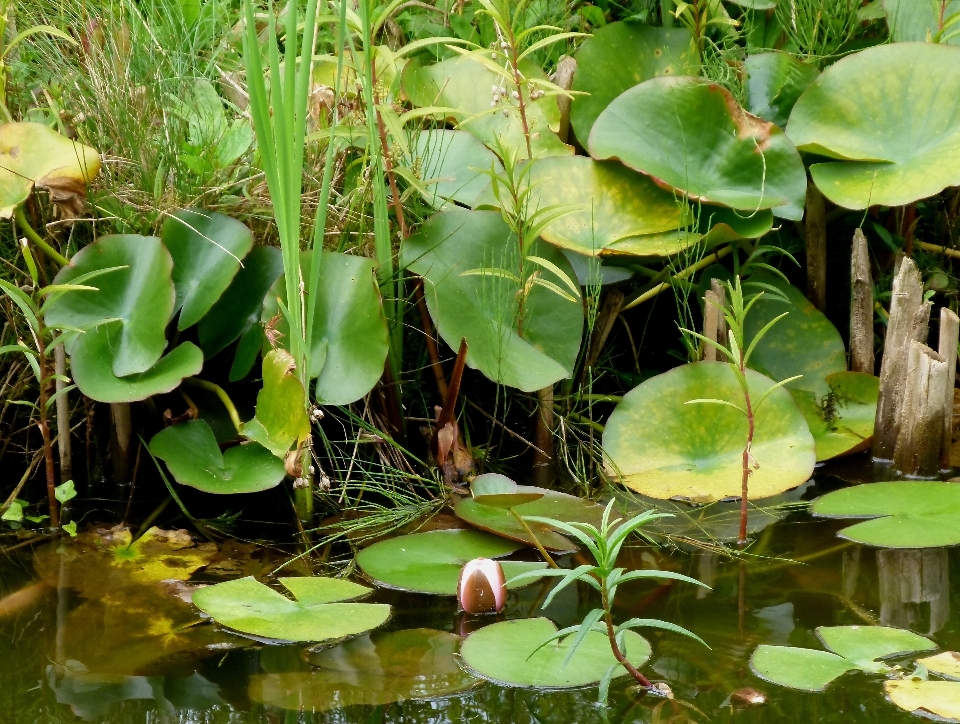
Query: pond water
<point>89,652</point>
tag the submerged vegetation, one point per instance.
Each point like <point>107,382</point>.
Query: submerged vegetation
<point>316,282</point>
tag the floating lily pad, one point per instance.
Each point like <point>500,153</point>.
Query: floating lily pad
<point>504,653</point>
<point>913,21</point>
<point>138,291</point>
<point>191,453</point>
<point>281,418</point>
<point>371,670</point>
<point>500,491</point>
<point>661,447</point>
<point>841,422</point>
<point>90,364</point>
<point>620,55</point>
<point>431,562</point>
<point>946,664</point>
<point>855,647</point>
<point>451,165</point>
<point>467,259</point>
<point>207,250</point>
<point>881,155</point>
<point>318,614</point>
<point>692,136</point>
<point>938,698</point>
<point>909,514</point>
<point>548,504</point>
<point>32,154</point>
<point>775,81</point>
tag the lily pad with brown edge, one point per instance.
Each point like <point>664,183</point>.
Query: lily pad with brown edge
<point>192,456</point>
<point>324,608</point>
<point>460,88</point>
<point>929,699</point>
<point>375,669</point>
<point>620,55</point>
<point>506,654</point>
<point>842,421</point>
<point>945,664</point>
<point>877,154</point>
<point>691,136</point>
<point>903,514</point>
<point>102,561</point>
<point>503,519</point>
<point>33,155</point>
<point>431,562</point>
<point>281,418</point>
<point>658,445</point>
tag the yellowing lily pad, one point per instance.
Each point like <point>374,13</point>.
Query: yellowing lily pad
<point>946,664</point>
<point>939,698</point>
<point>841,422</point>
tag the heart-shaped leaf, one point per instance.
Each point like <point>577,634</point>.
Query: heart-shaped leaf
<point>450,165</point>
<point>96,349</point>
<point>664,448</point>
<point>908,514</point>
<point>431,562</point>
<point>775,81</point>
<point>191,453</point>
<point>504,653</point>
<point>863,645</point>
<point>692,136</point>
<point>471,265</point>
<point>940,699</point>
<point>281,419</point>
<point>349,342</point>
<point>32,154</point>
<point>620,55</point>
<point>207,250</point>
<point>138,291</point>
<point>249,606</point>
<point>880,155</point>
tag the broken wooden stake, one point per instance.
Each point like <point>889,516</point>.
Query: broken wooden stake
<point>815,233</point>
<point>922,409</point>
<point>714,323</point>
<point>949,337</point>
<point>861,307</point>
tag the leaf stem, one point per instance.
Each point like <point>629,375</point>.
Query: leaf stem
<point>617,653</point>
<point>221,394</point>
<point>52,253</point>
<point>536,541</point>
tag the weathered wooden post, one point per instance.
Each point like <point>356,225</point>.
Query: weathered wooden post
<point>815,238</point>
<point>949,337</point>
<point>861,307</point>
<point>922,408</point>
<point>714,323</point>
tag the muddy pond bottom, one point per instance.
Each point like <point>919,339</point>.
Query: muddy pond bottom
<point>85,652</point>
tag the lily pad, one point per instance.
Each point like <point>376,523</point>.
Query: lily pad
<point>450,164</point>
<point>34,155</point>
<point>193,458</point>
<point>620,55</point>
<point>855,647</point>
<point>466,259</point>
<point>281,418</point>
<point>775,81</point>
<point>371,670</point>
<point>500,491</point>
<point>692,136</point>
<point>946,664</point>
<point>841,422</point>
<point>207,250</point>
<point>908,514</point>
<point>318,614</point>
<point>549,504</point>
<point>238,308</point>
<point>431,562</point>
<point>462,86</point>
<point>138,291</point>
<point>661,447</point>
<point>939,698</point>
<point>504,654</point>
<point>879,154</point>
<point>349,343</point>
<point>91,368</point>
<point>913,21</point>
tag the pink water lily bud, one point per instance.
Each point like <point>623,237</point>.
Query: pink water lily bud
<point>482,587</point>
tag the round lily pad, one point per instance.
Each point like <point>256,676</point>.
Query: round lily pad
<point>879,154</point>
<point>504,654</point>
<point>661,447</point>
<point>907,514</point>
<point>913,21</point>
<point>863,645</point>
<point>371,670</point>
<point>500,491</point>
<point>842,421</point>
<point>431,562</point>
<point>939,698</point>
<point>795,668</point>
<point>317,614</point>
<point>775,81</point>
<point>691,135</point>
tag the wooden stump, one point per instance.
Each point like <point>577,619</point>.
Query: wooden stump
<point>922,409</point>
<point>949,337</point>
<point>714,323</point>
<point>861,307</point>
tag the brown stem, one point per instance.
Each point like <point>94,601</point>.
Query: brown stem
<point>448,412</point>
<point>388,165</point>
<point>432,350</point>
<point>617,653</point>
<point>514,63</point>
<point>536,541</point>
<point>906,228</point>
<point>745,479</point>
<point>45,434</point>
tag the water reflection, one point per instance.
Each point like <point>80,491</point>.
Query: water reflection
<point>914,588</point>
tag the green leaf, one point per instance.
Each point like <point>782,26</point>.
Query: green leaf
<point>913,21</point>
<point>248,606</point>
<point>207,249</point>
<point>281,418</point>
<point>774,82</point>
<point>501,653</point>
<point>692,136</point>
<point>65,491</point>
<point>804,669</point>
<point>528,354</point>
<point>431,562</point>
<point>664,448</point>
<point>450,164</point>
<point>499,491</point>
<point>908,514</point>
<point>91,360</point>
<point>842,421</point>
<point>191,453</point>
<point>70,528</point>
<point>619,56</point>
<point>14,513</point>
<point>863,645</point>
<point>349,342</point>
<point>879,154</point>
